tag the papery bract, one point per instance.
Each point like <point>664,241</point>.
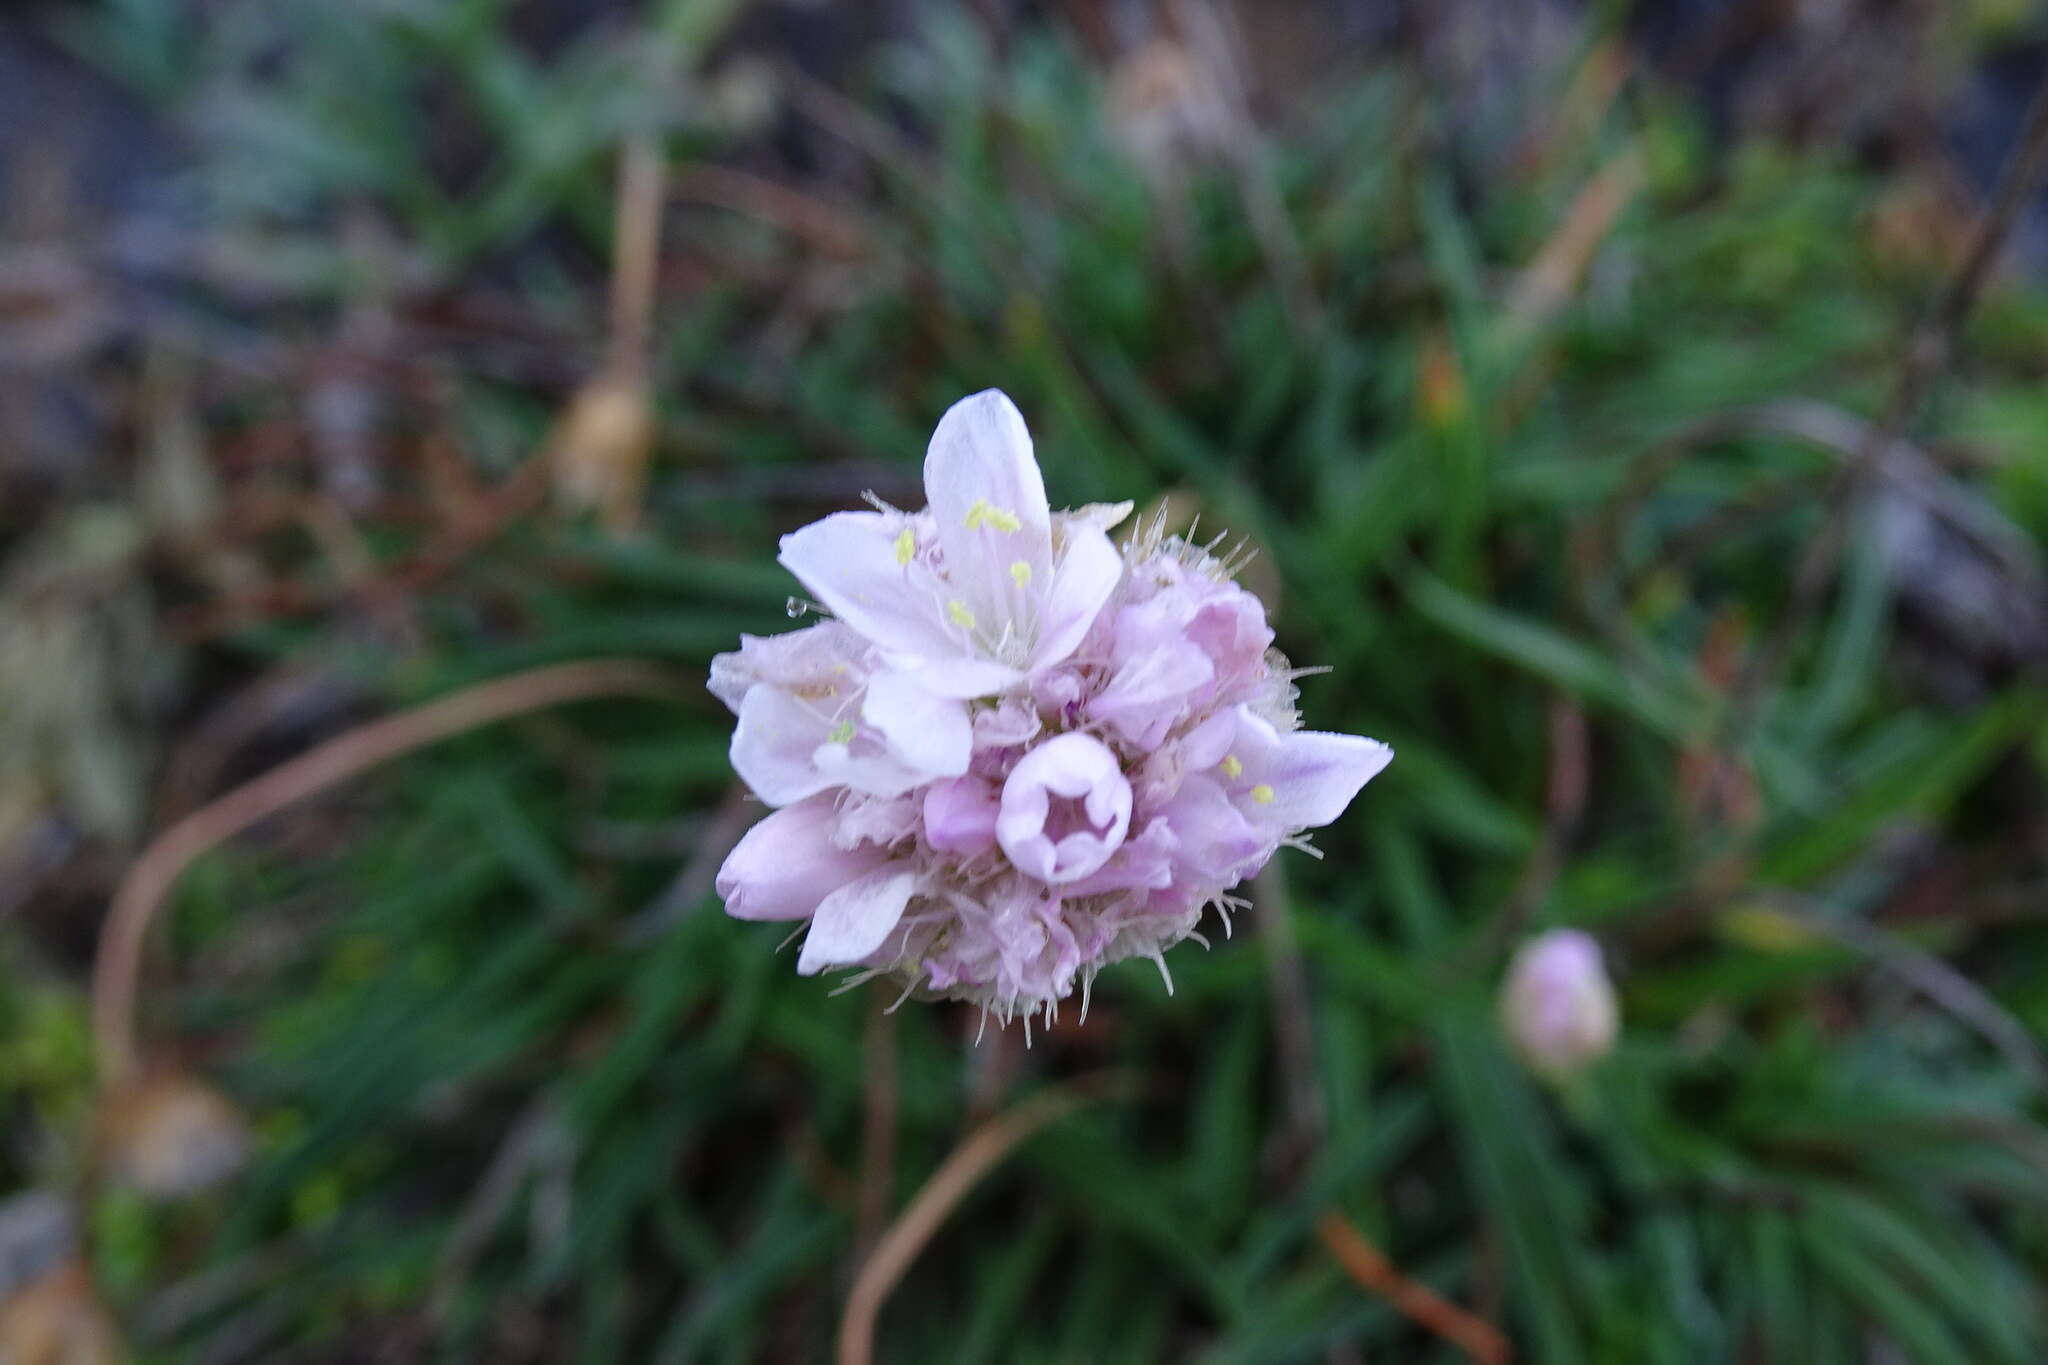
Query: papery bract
<point>1016,754</point>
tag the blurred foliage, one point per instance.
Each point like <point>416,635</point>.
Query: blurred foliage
<point>519,1092</point>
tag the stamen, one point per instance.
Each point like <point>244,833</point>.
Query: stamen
<point>959,615</point>
<point>914,981</point>
<point>842,733</point>
<point>1232,768</point>
<point>980,513</point>
<point>1020,573</point>
<point>1263,794</point>
<point>906,546</point>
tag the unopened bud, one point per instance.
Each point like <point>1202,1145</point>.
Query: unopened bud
<point>1558,1007</point>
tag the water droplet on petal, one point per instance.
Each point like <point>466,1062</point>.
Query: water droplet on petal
<point>796,606</point>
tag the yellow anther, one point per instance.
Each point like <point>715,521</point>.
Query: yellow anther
<point>906,546</point>
<point>959,615</point>
<point>1231,767</point>
<point>980,513</point>
<point>842,733</point>
<point>1020,573</point>
<point>1263,794</point>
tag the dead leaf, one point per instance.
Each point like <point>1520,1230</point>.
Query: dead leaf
<point>171,1135</point>
<point>59,1320</point>
<point>600,451</point>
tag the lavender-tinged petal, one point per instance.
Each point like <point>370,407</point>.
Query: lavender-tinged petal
<point>960,816</point>
<point>850,560</point>
<point>1148,695</point>
<point>1314,775</point>
<point>1012,722</point>
<point>1217,844</point>
<point>1145,862</point>
<point>785,865</point>
<point>828,659</point>
<point>1209,743</point>
<point>857,919</point>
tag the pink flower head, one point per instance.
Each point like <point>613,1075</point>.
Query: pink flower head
<point>1557,1006</point>
<point>1017,754</point>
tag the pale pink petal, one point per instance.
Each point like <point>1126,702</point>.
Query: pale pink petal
<point>785,865</point>
<point>850,560</point>
<point>856,919</point>
<point>774,746</point>
<point>1087,573</point>
<point>932,735</point>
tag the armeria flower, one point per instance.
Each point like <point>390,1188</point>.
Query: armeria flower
<point>1017,754</point>
<point>1557,1006</point>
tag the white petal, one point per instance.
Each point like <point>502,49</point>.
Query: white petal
<point>1103,516</point>
<point>961,677</point>
<point>877,774</point>
<point>988,501</point>
<point>773,743</point>
<point>981,454</point>
<point>1088,572</point>
<point>850,561</point>
<point>856,919</point>
<point>930,734</point>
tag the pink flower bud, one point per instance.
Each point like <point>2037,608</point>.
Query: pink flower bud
<point>1558,1007</point>
<point>1066,808</point>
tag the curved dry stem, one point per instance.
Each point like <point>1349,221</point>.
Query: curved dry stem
<point>977,1153</point>
<point>157,870</point>
<point>1417,1302</point>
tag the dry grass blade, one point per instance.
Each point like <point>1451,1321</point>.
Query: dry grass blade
<point>154,873</point>
<point>1422,1305</point>
<point>976,1155</point>
<point>1551,279</point>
